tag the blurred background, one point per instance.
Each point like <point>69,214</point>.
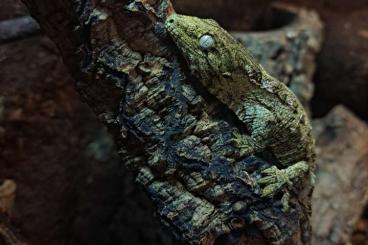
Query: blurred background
<point>72,189</point>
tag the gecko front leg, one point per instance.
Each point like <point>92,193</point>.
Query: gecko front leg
<point>260,123</point>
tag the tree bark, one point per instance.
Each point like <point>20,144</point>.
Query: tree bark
<point>172,134</point>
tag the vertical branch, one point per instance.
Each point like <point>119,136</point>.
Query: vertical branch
<point>171,134</point>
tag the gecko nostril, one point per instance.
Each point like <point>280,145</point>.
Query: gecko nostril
<point>171,21</point>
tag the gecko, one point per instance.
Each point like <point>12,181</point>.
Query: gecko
<point>271,113</point>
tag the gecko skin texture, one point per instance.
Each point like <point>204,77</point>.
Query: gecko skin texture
<point>272,114</point>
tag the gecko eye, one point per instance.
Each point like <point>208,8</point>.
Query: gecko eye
<point>206,42</point>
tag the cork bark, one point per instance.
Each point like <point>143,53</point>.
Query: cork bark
<point>172,135</point>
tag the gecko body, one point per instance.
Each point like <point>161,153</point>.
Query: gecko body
<point>274,117</point>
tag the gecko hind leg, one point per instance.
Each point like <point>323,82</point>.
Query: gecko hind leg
<point>275,180</point>
<point>260,123</point>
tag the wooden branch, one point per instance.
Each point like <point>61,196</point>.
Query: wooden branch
<point>170,132</point>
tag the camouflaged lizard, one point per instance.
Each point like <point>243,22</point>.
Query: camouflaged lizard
<point>270,111</point>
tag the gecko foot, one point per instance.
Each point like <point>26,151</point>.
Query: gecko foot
<point>273,181</point>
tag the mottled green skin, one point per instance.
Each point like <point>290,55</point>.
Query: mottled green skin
<point>271,112</point>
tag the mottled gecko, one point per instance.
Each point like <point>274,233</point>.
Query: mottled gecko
<point>270,111</point>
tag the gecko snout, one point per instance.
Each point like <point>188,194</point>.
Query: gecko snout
<point>170,21</point>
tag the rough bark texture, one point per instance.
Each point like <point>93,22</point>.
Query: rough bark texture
<point>72,189</point>
<point>70,181</point>
<point>341,190</point>
<point>172,135</point>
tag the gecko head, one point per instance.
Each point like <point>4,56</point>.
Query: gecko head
<point>203,43</point>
